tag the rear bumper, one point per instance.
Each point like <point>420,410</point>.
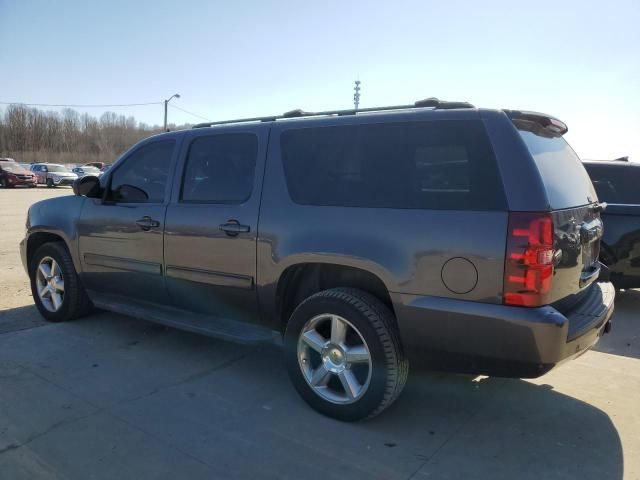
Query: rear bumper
<point>494,339</point>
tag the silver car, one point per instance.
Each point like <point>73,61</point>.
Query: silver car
<point>53,175</point>
<point>86,170</point>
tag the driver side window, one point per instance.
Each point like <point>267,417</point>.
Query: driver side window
<point>143,175</point>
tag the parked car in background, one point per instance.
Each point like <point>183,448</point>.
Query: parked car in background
<point>6,159</point>
<point>53,175</point>
<point>438,233</point>
<point>98,165</point>
<point>86,170</point>
<point>617,183</point>
<point>12,174</point>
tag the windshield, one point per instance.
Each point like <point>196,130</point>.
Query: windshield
<point>566,181</point>
<point>57,168</point>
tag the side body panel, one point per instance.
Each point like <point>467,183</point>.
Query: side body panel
<point>405,248</point>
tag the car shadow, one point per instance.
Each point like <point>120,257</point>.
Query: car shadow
<point>20,318</point>
<point>624,338</point>
<point>233,408</point>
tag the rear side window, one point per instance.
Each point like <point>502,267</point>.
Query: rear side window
<point>616,184</point>
<point>425,165</point>
<point>220,169</point>
<point>566,181</point>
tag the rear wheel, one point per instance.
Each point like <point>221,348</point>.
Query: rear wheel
<point>3,183</point>
<point>343,354</point>
<point>55,285</point>
<point>50,183</point>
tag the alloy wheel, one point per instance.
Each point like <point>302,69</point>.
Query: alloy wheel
<point>334,359</point>
<point>50,284</point>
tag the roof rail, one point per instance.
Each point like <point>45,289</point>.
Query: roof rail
<point>432,102</point>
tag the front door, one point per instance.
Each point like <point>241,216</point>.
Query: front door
<point>120,236</point>
<point>211,223</point>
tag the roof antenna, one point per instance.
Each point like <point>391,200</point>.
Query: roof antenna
<point>356,94</point>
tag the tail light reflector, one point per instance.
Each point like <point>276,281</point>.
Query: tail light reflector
<point>528,269</point>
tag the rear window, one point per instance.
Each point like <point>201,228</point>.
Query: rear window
<point>616,184</point>
<point>425,165</point>
<point>566,181</point>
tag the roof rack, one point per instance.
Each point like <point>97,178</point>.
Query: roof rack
<point>432,102</point>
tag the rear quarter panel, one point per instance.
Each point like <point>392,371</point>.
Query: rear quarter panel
<point>405,248</point>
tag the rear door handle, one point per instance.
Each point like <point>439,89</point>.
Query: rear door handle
<point>233,228</point>
<point>147,223</point>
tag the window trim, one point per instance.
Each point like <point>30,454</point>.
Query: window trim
<point>185,165</point>
<point>123,160</point>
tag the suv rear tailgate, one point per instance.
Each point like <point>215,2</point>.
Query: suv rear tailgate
<point>573,203</point>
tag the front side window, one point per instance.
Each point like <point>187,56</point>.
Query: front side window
<point>424,165</point>
<point>143,175</point>
<point>220,169</point>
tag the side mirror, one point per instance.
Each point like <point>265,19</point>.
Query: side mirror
<point>88,186</point>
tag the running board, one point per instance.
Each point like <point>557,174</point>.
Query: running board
<point>211,326</point>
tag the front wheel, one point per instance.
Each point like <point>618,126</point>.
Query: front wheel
<point>50,183</point>
<point>55,285</point>
<point>3,183</point>
<point>343,354</point>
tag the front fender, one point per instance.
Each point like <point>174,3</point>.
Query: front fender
<point>55,216</point>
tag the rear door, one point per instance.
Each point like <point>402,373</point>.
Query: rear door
<point>574,204</point>
<point>212,221</point>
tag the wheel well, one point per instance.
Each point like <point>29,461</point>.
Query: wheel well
<point>36,240</point>
<point>303,280</point>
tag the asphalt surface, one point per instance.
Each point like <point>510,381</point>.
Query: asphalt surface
<point>110,397</point>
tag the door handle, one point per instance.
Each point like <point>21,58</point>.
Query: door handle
<point>233,228</point>
<point>146,223</point>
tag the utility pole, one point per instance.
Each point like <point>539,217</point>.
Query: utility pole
<point>166,102</point>
<point>356,95</point>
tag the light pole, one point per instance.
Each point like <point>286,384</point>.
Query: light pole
<point>166,102</point>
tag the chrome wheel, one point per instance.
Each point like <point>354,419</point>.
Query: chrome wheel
<point>50,284</point>
<point>334,359</point>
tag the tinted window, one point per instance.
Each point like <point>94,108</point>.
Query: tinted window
<point>143,175</point>
<point>430,165</point>
<point>616,184</point>
<point>565,179</point>
<point>220,168</point>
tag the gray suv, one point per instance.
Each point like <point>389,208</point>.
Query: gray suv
<point>453,237</point>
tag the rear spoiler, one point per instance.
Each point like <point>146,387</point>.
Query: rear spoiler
<point>538,123</point>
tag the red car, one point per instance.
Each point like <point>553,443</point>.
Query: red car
<point>12,174</point>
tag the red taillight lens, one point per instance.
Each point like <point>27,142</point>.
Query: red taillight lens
<point>528,266</point>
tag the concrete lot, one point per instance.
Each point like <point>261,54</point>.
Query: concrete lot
<point>112,397</point>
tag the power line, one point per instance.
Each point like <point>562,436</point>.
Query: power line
<point>190,113</point>
<point>79,105</point>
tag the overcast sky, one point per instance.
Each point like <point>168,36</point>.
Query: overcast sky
<point>577,60</point>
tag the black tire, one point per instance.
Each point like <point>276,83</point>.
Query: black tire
<point>378,328</point>
<point>3,183</point>
<point>75,302</point>
<point>50,183</point>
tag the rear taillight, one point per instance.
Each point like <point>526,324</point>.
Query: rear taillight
<point>528,266</point>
